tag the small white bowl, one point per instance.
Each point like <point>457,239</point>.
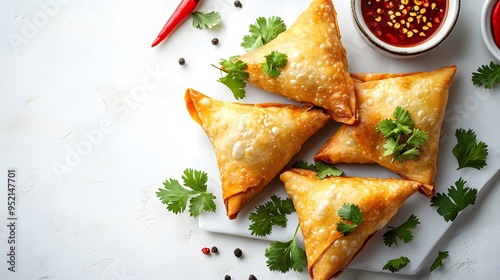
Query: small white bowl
<point>450,19</point>
<point>486,31</point>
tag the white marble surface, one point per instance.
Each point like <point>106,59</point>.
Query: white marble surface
<point>91,118</point>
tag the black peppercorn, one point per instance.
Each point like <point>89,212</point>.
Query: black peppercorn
<point>237,4</point>
<point>182,61</point>
<point>238,253</point>
<point>252,277</point>
<point>227,277</point>
<point>215,41</point>
<point>214,250</point>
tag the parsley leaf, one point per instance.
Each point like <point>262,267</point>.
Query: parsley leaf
<point>323,169</point>
<point>262,32</point>
<point>275,61</point>
<point>205,20</point>
<point>352,213</point>
<point>235,75</point>
<point>272,213</point>
<point>457,199</point>
<point>402,139</point>
<point>487,75</point>
<point>176,197</point>
<point>468,152</point>
<point>396,265</point>
<point>403,232</point>
<point>442,255</point>
<point>283,256</point>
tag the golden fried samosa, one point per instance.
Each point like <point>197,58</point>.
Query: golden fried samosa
<point>317,203</point>
<point>252,142</point>
<point>423,94</point>
<point>317,69</point>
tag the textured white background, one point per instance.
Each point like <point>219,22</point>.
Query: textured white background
<point>92,118</point>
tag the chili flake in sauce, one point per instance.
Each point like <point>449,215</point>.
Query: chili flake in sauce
<point>403,22</point>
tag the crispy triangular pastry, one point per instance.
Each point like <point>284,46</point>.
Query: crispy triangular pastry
<point>423,94</point>
<point>252,142</point>
<point>317,203</point>
<point>317,70</point>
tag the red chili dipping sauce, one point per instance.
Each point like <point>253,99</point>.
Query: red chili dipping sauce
<point>403,22</point>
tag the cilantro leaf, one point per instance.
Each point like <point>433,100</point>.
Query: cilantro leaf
<point>442,255</point>
<point>262,32</point>
<point>283,256</point>
<point>304,165</point>
<point>403,232</point>
<point>487,75</point>
<point>203,20</point>
<point>402,139</point>
<point>235,75</point>
<point>323,169</point>
<point>352,213</point>
<point>194,191</point>
<point>272,213</point>
<point>396,265</point>
<point>275,61</point>
<point>468,152</point>
<point>457,199</point>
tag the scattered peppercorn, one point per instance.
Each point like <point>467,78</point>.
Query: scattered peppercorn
<point>215,250</point>
<point>182,61</point>
<point>252,277</point>
<point>227,277</point>
<point>205,250</point>
<point>215,41</point>
<point>237,4</point>
<point>238,253</point>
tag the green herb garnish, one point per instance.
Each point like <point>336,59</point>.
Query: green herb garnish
<point>396,265</point>
<point>403,140</point>
<point>487,75</point>
<point>442,255</point>
<point>275,61</point>
<point>323,169</point>
<point>283,256</point>
<point>403,232</point>
<point>351,213</point>
<point>176,197</point>
<point>469,152</point>
<point>203,20</point>
<point>457,199</point>
<point>235,75</point>
<point>262,32</point>
<point>272,213</point>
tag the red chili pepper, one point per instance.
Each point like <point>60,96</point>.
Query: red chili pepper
<point>185,8</point>
<point>495,23</point>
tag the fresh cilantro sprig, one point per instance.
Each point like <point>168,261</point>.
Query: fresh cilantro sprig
<point>442,255</point>
<point>236,75</point>
<point>262,32</point>
<point>283,256</point>
<point>323,169</point>
<point>458,198</point>
<point>469,152</point>
<point>396,265</point>
<point>202,20</point>
<point>194,191</point>
<point>351,213</point>
<point>272,213</point>
<point>487,75</point>
<point>403,232</point>
<point>402,139</point>
<point>275,61</point>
